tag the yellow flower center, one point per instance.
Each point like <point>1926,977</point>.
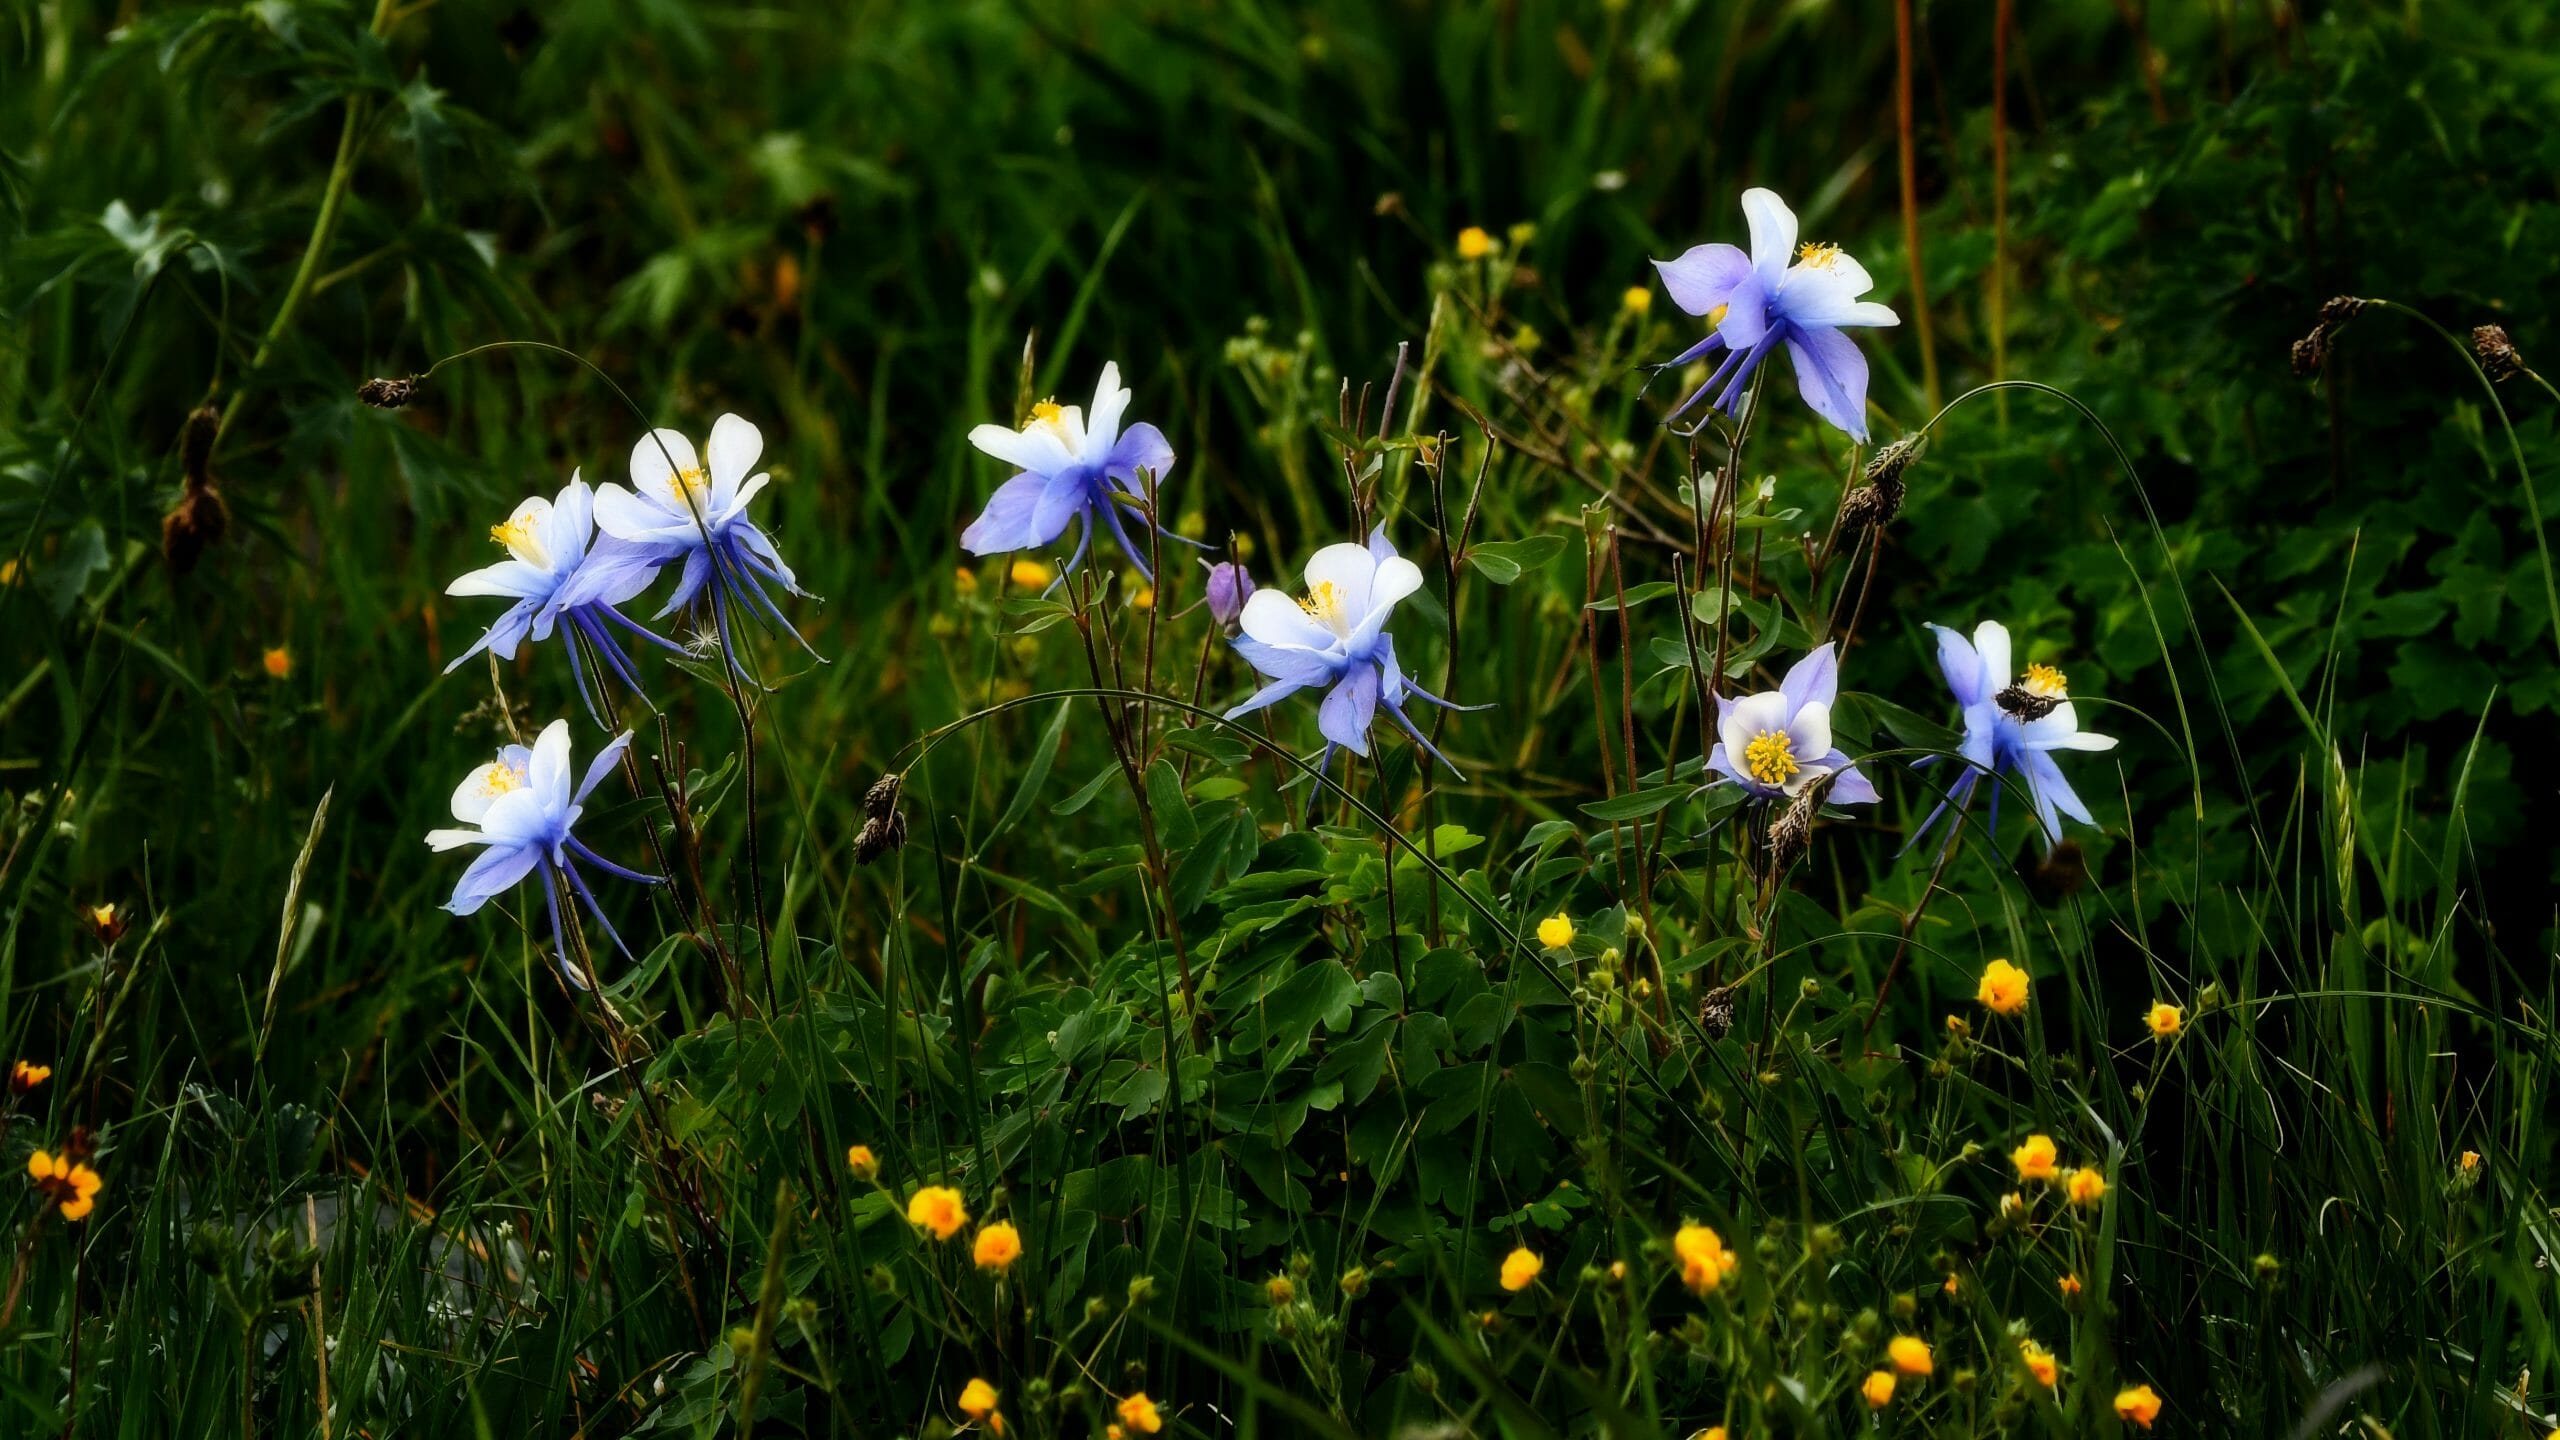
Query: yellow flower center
<point>512,533</point>
<point>1770,757</point>
<point>1324,602</point>
<point>2047,682</point>
<point>1715,317</point>
<point>500,780</point>
<point>695,482</point>
<point>1820,257</point>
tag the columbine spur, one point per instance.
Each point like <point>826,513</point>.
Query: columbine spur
<point>1067,462</point>
<point>521,807</point>
<point>689,507</point>
<point>2010,728</point>
<point>551,548</point>
<point>1777,742</point>
<point>1753,303</point>
<point>1337,638</point>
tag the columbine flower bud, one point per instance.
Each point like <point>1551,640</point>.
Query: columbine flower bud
<point>1230,585</point>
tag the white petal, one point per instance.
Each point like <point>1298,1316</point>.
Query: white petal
<point>1397,577</point>
<point>735,446</point>
<point>1275,619</point>
<point>1751,716</point>
<point>1773,233</point>
<point>1811,732</point>
<point>550,777</point>
<point>1991,642</point>
<point>571,525</point>
<point>513,579</point>
<point>626,516</point>
<point>652,474</point>
<point>1339,578</point>
<point>1039,450</point>
<point>1102,427</point>
<point>454,839</point>
<point>477,792</point>
<point>516,817</point>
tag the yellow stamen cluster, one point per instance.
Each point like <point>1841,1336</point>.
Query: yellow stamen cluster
<point>67,1182</point>
<point>1770,758</point>
<point>694,481</point>
<point>1819,256</point>
<point>1324,602</point>
<point>2046,682</point>
<point>512,533</point>
<point>501,779</point>
<point>1047,412</point>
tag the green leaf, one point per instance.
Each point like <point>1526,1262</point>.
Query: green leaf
<point>1175,828</point>
<point>1649,590</point>
<point>1636,805</point>
<point>1503,561</point>
<point>1036,773</point>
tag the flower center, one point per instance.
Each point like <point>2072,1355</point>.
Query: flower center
<point>500,780</point>
<point>1324,602</point>
<point>1770,758</point>
<point>2046,682</point>
<point>695,482</point>
<point>1820,257</point>
<point>1715,317</point>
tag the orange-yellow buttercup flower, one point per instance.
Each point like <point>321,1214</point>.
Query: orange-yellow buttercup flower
<point>1520,1267</point>
<point>1140,1414</point>
<point>1474,243</point>
<point>1878,1389</point>
<point>2086,1186</point>
<point>2004,988</point>
<point>277,661</point>
<point>1556,931</point>
<point>2069,1285</point>
<point>937,1209</point>
<point>2141,1405</point>
<point>2036,1160</point>
<point>1028,574</point>
<point>999,1245</point>
<point>863,1164</point>
<point>26,1075</point>
<point>1909,1354</point>
<point>2040,1362</point>
<point>67,1182</point>
<point>1704,1262</point>
<point>977,1399</point>
<point>2164,1020</point>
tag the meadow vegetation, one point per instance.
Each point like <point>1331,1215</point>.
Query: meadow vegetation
<point>1461,859</point>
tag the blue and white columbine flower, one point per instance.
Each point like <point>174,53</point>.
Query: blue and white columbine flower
<point>1755,302</point>
<point>552,553</point>
<point>2010,729</point>
<point>694,508</point>
<point>1777,742</point>
<point>521,807</point>
<point>1072,466</point>
<point>1337,638</point>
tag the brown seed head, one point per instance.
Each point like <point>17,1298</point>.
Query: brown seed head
<point>2496,353</point>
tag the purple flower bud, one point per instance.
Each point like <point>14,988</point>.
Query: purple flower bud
<point>1229,588</point>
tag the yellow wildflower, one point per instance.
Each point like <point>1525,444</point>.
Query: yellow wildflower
<point>2164,1020</point>
<point>1281,1290</point>
<point>26,1075</point>
<point>937,1208</point>
<point>65,1181</point>
<point>2040,1362</point>
<point>1704,1262</point>
<point>278,662</point>
<point>1909,1354</point>
<point>999,1245</point>
<point>1878,1389</point>
<point>1637,300</point>
<point>977,1399</point>
<point>2086,1186</point>
<point>863,1164</point>
<point>2004,988</point>
<point>2069,1285</point>
<point>1520,1267</point>
<point>2141,1405</point>
<point>2035,1159</point>
<point>1140,1415</point>
<point>1029,574</point>
<point>1556,931</point>
<point>1474,243</point>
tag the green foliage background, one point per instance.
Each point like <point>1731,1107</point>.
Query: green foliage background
<point>2321,617</point>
